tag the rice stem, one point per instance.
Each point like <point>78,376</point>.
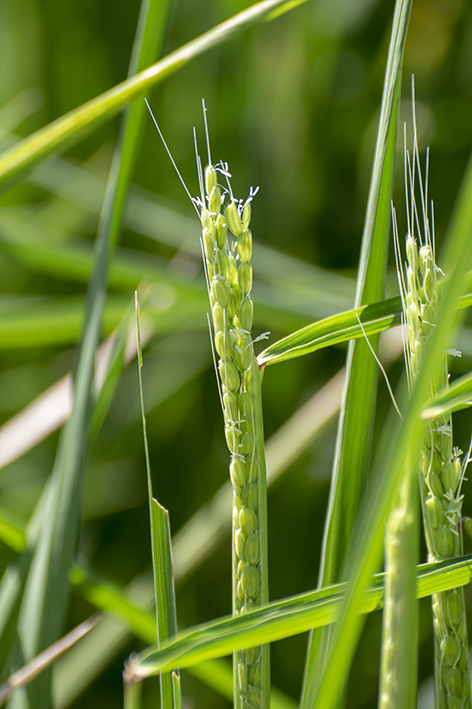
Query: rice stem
<point>399,664</point>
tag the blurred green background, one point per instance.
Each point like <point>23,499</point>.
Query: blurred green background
<point>293,107</point>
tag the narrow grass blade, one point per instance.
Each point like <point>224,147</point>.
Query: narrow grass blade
<point>12,587</point>
<point>108,376</point>
<point>13,584</point>
<point>455,397</point>
<point>74,124</point>
<point>45,597</point>
<point>353,443</point>
<point>177,692</point>
<point>10,532</point>
<point>164,593</point>
<point>285,618</point>
<point>357,412</point>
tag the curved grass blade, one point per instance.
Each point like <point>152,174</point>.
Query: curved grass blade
<point>73,125</point>
<point>334,330</point>
<point>343,327</point>
<point>285,618</point>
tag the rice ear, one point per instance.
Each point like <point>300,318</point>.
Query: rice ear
<point>229,281</point>
<point>439,465</point>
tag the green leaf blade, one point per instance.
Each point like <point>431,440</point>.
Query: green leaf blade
<point>72,126</point>
<point>352,324</point>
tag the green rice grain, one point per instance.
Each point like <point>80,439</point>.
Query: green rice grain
<point>440,467</point>
<point>227,254</point>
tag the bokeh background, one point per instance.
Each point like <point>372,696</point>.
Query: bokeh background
<point>293,107</point>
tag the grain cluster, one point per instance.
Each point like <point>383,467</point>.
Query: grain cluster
<point>440,477</point>
<point>227,247</point>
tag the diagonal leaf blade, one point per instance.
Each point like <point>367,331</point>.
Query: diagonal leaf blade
<point>283,619</point>
<point>354,324</point>
<point>334,330</point>
<point>73,125</point>
<point>457,396</point>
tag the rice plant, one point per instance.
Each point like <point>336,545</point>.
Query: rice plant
<point>441,470</point>
<point>228,272</point>
<point>295,91</point>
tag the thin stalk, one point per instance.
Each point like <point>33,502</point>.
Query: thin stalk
<point>263,537</point>
<point>132,696</point>
<point>398,682</point>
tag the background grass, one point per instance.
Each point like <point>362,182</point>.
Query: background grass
<point>293,106</point>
